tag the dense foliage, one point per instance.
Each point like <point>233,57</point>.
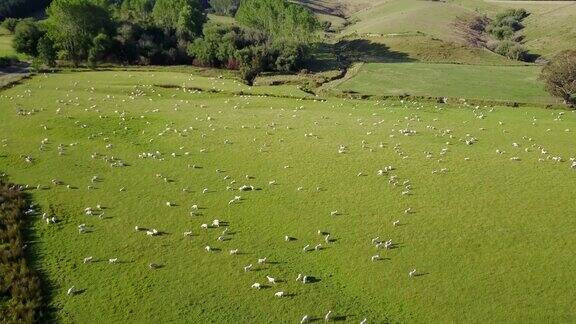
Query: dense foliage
<point>21,8</point>
<point>282,20</point>
<point>26,37</point>
<point>560,76</point>
<point>20,288</point>
<point>503,28</point>
<point>225,7</point>
<point>275,36</point>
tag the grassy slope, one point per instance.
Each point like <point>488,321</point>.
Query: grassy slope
<point>514,83</point>
<point>493,236</point>
<point>550,29</point>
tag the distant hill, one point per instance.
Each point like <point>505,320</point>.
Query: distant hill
<point>550,28</point>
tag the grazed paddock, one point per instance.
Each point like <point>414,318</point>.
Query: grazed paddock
<point>477,200</point>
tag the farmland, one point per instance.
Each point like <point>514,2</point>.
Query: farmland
<point>487,232</point>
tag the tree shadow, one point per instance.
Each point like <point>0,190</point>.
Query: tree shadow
<point>341,55</point>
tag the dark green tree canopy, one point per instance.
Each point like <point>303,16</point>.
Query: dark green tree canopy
<point>284,21</point>
<point>73,24</point>
<point>179,15</point>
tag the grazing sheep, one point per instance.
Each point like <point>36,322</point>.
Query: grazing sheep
<point>71,291</point>
<point>318,247</point>
<point>305,249</point>
<point>396,223</point>
<point>204,226</point>
<point>248,267</point>
<point>153,266</point>
<point>256,285</point>
<point>216,223</point>
<point>299,277</point>
<point>305,319</point>
<point>305,279</point>
<point>271,280</point>
<point>327,239</point>
<point>287,238</point>
<point>208,248</point>
<point>262,261</point>
<point>375,257</point>
<point>136,228</point>
<point>376,240</point>
<point>169,204</point>
<point>279,294</point>
<point>113,261</point>
<point>88,259</point>
<point>412,273</point>
<point>328,316</point>
<point>234,252</point>
<point>334,213</point>
<point>364,321</point>
<point>188,233</point>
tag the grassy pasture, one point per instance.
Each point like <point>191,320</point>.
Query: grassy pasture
<point>6,43</point>
<point>491,237</point>
<point>501,83</point>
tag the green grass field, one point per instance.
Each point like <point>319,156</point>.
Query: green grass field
<point>501,83</point>
<point>490,237</point>
<point>6,43</point>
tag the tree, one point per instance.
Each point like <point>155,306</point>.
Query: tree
<point>46,51</point>
<point>225,7</point>
<point>252,62</point>
<point>136,11</point>
<point>100,47</point>
<point>284,21</point>
<point>179,15</point>
<point>560,76</point>
<point>73,24</point>
<point>26,37</point>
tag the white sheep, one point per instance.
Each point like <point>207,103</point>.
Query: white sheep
<point>271,280</point>
<point>328,316</point>
<point>248,268</point>
<point>305,319</point>
<point>262,261</point>
<point>256,285</point>
<point>71,291</point>
<point>113,261</point>
<point>305,249</point>
<point>234,252</point>
<point>412,273</point>
<point>208,248</point>
<point>375,257</point>
<point>279,294</point>
<point>88,259</point>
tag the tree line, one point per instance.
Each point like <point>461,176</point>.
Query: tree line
<point>21,8</point>
<point>271,35</point>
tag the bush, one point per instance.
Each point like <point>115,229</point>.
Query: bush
<point>559,76</point>
<point>26,37</point>
<point>20,287</point>
<point>10,24</point>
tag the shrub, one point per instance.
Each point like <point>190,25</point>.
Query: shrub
<point>26,37</point>
<point>559,76</point>
<point>20,286</point>
<point>10,24</point>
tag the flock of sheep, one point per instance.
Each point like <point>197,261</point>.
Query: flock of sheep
<point>237,189</point>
